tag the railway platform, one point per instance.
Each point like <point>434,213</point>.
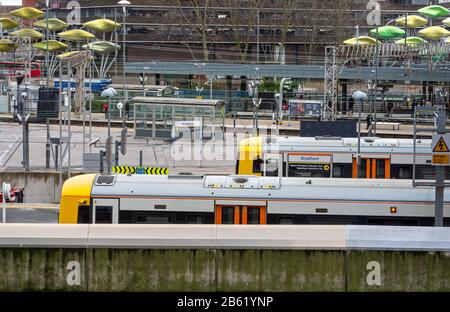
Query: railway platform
<point>396,126</point>
<point>223,258</point>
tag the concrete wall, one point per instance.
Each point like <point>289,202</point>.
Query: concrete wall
<point>40,187</point>
<point>36,269</point>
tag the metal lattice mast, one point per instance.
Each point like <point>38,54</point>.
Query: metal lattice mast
<point>330,84</point>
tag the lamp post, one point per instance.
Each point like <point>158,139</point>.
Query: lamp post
<point>361,97</point>
<point>280,102</point>
<point>109,93</point>
<point>124,4</point>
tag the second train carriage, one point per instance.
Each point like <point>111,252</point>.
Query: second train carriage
<point>245,200</point>
<point>335,157</point>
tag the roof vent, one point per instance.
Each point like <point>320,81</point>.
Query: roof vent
<point>105,180</point>
<point>240,180</point>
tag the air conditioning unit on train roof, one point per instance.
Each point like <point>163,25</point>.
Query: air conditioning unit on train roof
<point>242,182</point>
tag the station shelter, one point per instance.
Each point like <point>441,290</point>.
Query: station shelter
<point>169,118</point>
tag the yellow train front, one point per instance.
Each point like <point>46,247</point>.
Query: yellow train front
<point>183,199</point>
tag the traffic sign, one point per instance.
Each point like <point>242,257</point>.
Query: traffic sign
<point>441,151</point>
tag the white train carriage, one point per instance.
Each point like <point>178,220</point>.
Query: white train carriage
<point>245,200</point>
<point>381,158</point>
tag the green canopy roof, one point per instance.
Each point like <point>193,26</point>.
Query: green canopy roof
<point>434,11</point>
<point>388,32</point>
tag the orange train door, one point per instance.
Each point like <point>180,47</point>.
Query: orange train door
<point>372,168</point>
<point>229,214</point>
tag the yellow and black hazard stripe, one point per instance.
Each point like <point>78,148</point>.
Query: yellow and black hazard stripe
<point>140,170</point>
<point>124,169</point>
<point>155,170</point>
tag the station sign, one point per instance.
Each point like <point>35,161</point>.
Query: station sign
<point>310,163</point>
<point>440,147</point>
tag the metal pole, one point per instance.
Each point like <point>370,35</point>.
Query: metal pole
<point>257,37</point>
<point>84,115</point>
<point>69,111</point>
<point>359,139</point>
<point>3,203</point>
<point>108,149</point>
<point>90,102</point>
<point>61,107</point>
<point>116,41</point>
<point>376,89</point>
<point>26,146</point>
<point>440,176</point>
<point>124,49</point>
<point>211,87</point>
<point>140,158</point>
<point>47,147</point>
<point>414,145</point>
<point>47,55</point>
<point>116,160</point>
<point>280,103</point>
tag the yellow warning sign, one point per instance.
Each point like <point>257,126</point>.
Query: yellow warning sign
<point>441,146</point>
<point>441,159</point>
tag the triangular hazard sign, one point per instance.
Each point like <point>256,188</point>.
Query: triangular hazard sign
<point>441,146</point>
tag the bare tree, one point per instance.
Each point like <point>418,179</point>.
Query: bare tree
<point>200,20</point>
<point>243,17</point>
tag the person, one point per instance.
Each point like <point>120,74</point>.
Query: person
<point>369,120</point>
<point>351,102</point>
<point>105,109</point>
<point>127,109</point>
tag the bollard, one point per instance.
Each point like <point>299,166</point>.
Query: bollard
<point>47,155</point>
<point>234,123</point>
<point>140,158</point>
<point>56,156</point>
<point>102,155</point>
<point>116,161</point>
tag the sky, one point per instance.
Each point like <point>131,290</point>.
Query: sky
<point>11,2</point>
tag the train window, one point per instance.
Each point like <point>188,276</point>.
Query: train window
<point>257,165</point>
<point>271,167</point>
<point>143,219</point>
<point>362,168</point>
<point>342,170</point>
<point>253,215</point>
<point>338,171</point>
<point>399,222</point>
<point>195,219</point>
<point>84,214</point>
<point>404,173</point>
<point>331,220</point>
<point>380,168</point>
<point>286,220</point>
<point>227,215</point>
<point>103,214</point>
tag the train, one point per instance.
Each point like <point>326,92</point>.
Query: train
<point>236,199</point>
<point>335,157</point>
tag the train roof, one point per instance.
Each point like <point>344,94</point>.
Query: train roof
<point>343,142</point>
<point>259,188</point>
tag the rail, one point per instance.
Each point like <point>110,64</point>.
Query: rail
<point>288,237</point>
